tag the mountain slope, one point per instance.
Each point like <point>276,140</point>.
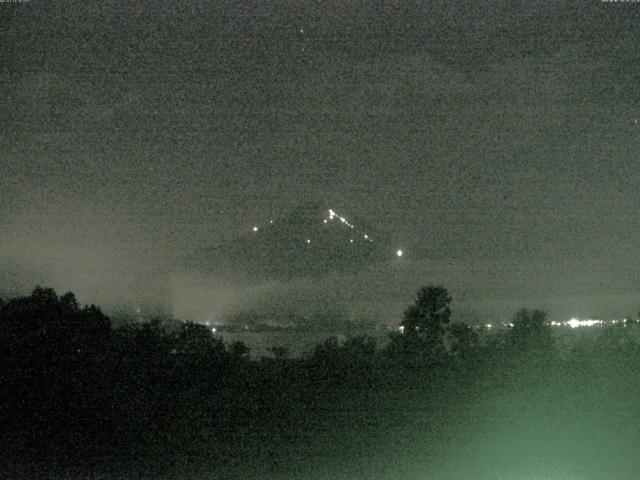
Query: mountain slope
<point>310,240</point>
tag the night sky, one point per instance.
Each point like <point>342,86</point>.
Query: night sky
<point>496,145</point>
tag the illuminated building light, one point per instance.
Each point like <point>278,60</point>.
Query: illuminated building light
<point>271,221</point>
<point>401,328</point>
<point>308,241</point>
<point>399,253</point>
<point>255,229</point>
<point>488,325</point>
<point>351,241</point>
<point>213,330</point>
<point>366,236</point>
<point>325,220</point>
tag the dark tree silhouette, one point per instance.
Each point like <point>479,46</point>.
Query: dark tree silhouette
<point>530,328</point>
<point>531,337</point>
<point>55,328</point>
<point>280,352</point>
<point>238,349</point>
<point>464,342</point>
<point>424,327</point>
<point>430,314</point>
<point>195,339</point>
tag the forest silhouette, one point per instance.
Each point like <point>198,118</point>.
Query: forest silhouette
<point>79,395</point>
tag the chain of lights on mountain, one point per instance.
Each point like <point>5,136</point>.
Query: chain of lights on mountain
<point>332,216</point>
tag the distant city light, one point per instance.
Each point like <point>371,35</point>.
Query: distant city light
<point>308,240</point>
<point>575,323</point>
<point>213,330</point>
<point>255,229</point>
<point>399,253</point>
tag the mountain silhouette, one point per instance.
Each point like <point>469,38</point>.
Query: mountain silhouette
<point>312,239</point>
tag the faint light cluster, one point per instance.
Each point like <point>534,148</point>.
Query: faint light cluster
<point>333,216</point>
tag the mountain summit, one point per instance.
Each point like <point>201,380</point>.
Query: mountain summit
<point>312,239</point>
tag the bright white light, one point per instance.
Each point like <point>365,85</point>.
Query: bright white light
<point>488,325</point>
<point>366,236</point>
<point>399,253</point>
<point>575,323</point>
<point>325,220</point>
<point>308,240</point>
<point>213,330</point>
<point>255,229</point>
<point>351,241</point>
